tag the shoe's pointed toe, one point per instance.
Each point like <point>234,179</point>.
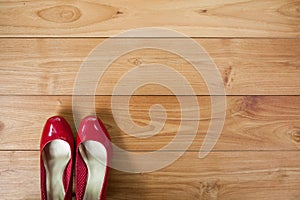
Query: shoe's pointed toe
<point>92,128</point>
<point>56,128</point>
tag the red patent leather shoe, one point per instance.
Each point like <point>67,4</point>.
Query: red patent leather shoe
<point>56,159</point>
<point>93,154</point>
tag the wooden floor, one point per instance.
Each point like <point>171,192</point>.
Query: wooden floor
<point>254,43</point>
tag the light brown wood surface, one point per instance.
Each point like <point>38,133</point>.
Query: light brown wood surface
<point>232,18</point>
<point>221,175</point>
<point>255,45</point>
<point>252,122</point>
<point>247,66</point>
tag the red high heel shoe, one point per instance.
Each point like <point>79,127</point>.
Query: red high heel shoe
<point>56,159</point>
<point>93,154</point>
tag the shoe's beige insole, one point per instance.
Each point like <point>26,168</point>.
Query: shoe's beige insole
<point>56,156</point>
<point>94,155</point>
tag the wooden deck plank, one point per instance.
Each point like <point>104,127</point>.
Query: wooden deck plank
<point>247,66</point>
<point>252,122</point>
<point>267,18</point>
<point>221,175</point>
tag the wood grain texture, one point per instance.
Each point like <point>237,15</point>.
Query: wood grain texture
<point>233,18</point>
<point>252,122</point>
<point>247,66</point>
<point>225,175</point>
<point>255,45</point>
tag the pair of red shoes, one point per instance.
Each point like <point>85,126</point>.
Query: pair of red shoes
<point>93,154</point>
